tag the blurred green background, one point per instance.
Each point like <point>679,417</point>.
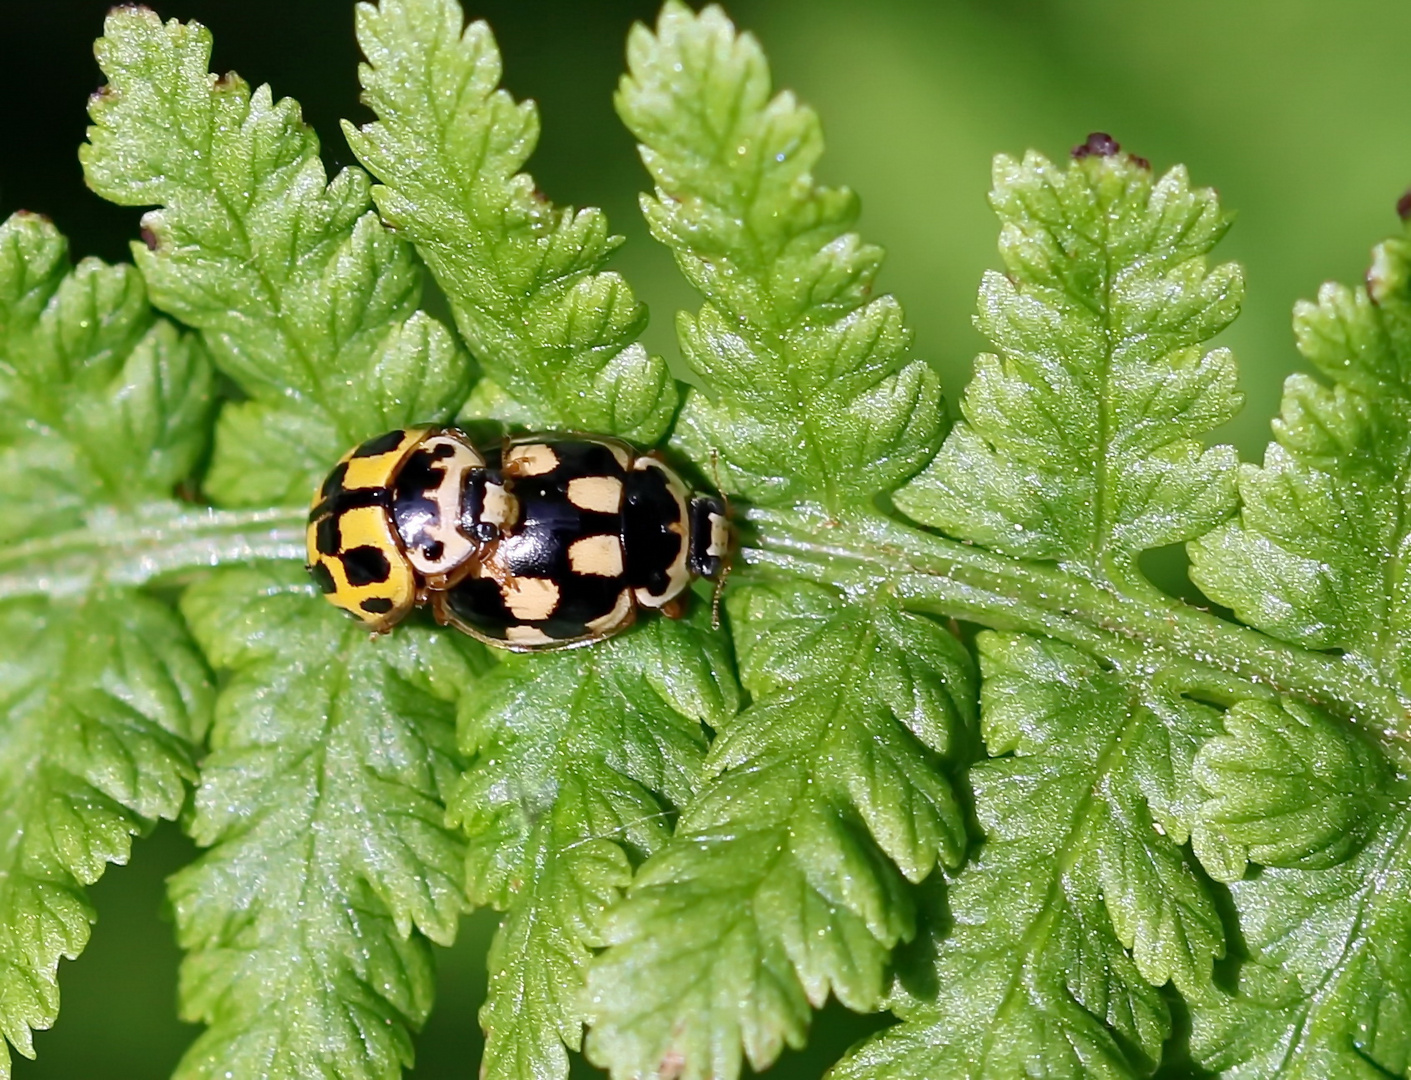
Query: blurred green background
<point>1293,109</point>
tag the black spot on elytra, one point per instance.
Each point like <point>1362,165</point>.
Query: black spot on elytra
<point>361,497</point>
<point>334,484</point>
<point>582,599</point>
<point>323,578</point>
<point>365,565</point>
<point>563,629</point>
<point>380,445</point>
<point>479,602</point>
<point>376,605</point>
<point>326,537</point>
<point>1098,144</point>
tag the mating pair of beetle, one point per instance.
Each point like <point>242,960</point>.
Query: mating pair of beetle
<point>539,542</point>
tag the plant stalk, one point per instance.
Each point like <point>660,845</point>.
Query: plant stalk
<point>858,552</point>
<point>147,543</point>
<point>865,551</point>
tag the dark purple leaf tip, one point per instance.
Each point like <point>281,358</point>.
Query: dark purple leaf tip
<point>1403,206</point>
<point>1099,144</point>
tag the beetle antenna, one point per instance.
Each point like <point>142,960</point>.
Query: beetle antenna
<point>715,597</point>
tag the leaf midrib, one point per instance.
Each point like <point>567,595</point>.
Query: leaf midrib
<point>936,575</point>
<point>272,294</point>
<point>514,306</point>
<point>1354,941</point>
<point>1083,820</point>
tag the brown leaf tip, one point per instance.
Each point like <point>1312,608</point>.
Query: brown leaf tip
<point>1099,144</point>
<point>1403,206</point>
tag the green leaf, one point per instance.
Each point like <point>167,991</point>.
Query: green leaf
<point>524,278</point>
<point>1079,901</point>
<point>100,702</point>
<point>101,404</point>
<point>330,865</point>
<point>102,407</point>
<point>785,879</point>
<point>1080,439</point>
<point>330,862</point>
<point>1317,556</point>
<point>105,412</point>
<point>298,290</point>
<point>1080,445</point>
<point>415,375</point>
<point>1290,786</point>
<point>305,925</point>
<point>1325,991</point>
<point>799,361</point>
<point>578,760</point>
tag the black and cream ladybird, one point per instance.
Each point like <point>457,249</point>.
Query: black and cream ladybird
<point>541,542</point>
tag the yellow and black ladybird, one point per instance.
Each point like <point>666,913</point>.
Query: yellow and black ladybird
<point>355,555</point>
<point>542,542</point>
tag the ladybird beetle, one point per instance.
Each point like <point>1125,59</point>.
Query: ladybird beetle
<point>541,542</point>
